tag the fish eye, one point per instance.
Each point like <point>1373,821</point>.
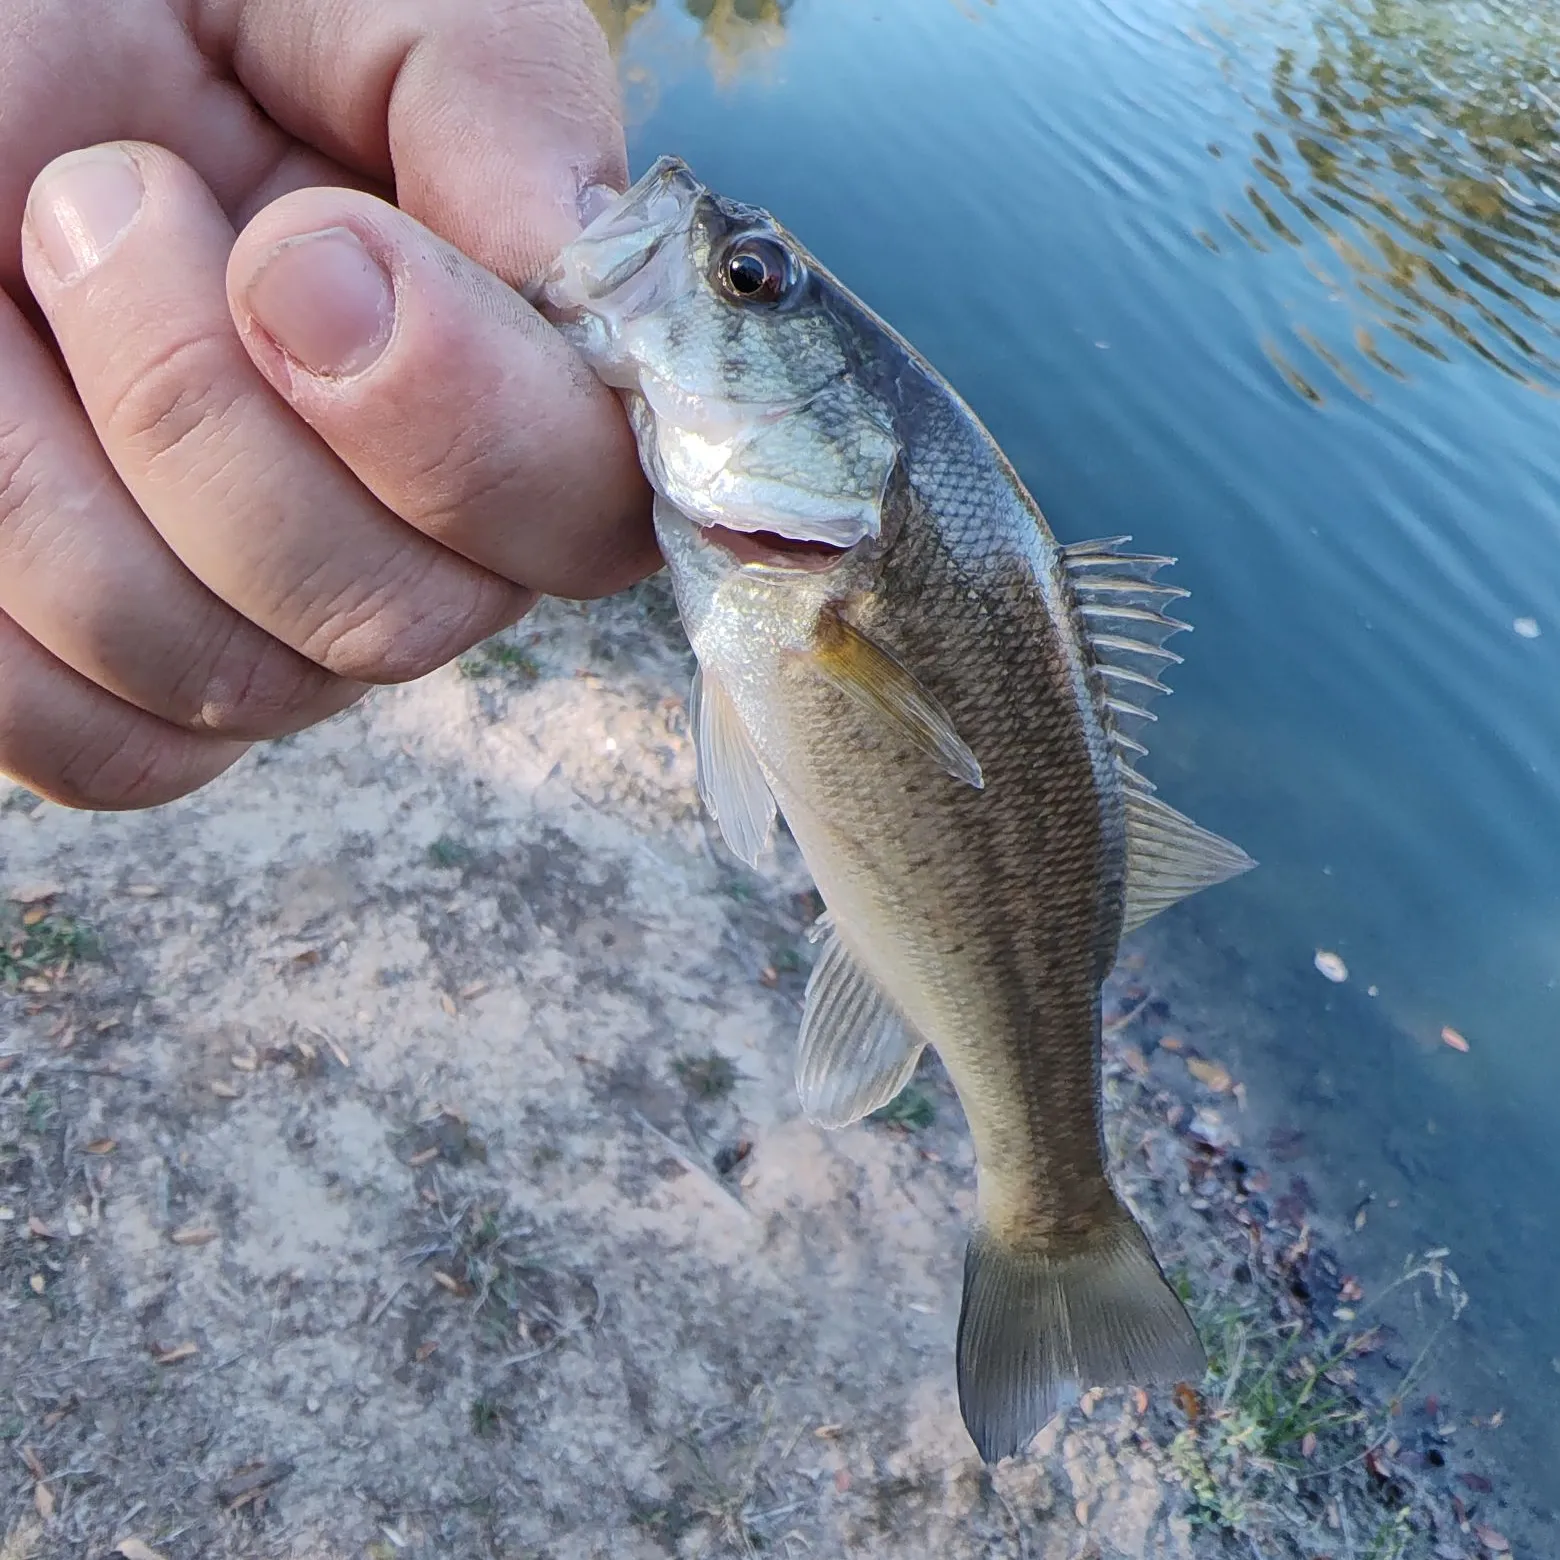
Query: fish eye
<point>757,269</point>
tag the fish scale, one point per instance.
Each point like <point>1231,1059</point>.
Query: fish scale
<point>945,705</point>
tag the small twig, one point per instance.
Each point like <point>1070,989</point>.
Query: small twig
<point>384,1305</point>
<point>688,1162</point>
<point>1116,1025</point>
<point>1018,1526</point>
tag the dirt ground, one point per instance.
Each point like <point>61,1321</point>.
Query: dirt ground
<point>399,1157</point>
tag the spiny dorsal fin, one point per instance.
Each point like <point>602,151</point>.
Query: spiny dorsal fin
<point>731,783</point>
<point>876,680</point>
<point>1120,600</point>
<point>856,1052</point>
<point>1169,857</point>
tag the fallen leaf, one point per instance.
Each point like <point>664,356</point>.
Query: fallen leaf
<point>1140,1401</point>
<point>447,1002</point>
<point>134,1549</point>
<point>1170,1042</point>
<point>1210,1074</point>
<point>223,1090</point>
<point>1432,1404</point>
<point>1496,1543</point>
<point>43,1499</point>
<point>425,1350</point>
<point>1135,1060</point>
<point>34,916</point>
<point>34,1464</point>
<point>245,1061</point>
<point>180,1351</point>
<point>475,989</point>
<point>425,1156</point>
<point>842,1480</point>
<point>1308,1444</point>
<point>101,1146</point>
<point>252,1482</point>
<point>35,1283</point>
<point>1081,1513</point>
<point>339,1053</point>
<point>1331,966</point>
<point>34,893</point>
<point>1453,1039</point>
<point>1191,1403</point>
<point>1351,1290</point>
<point>828,1432</point>
<point>445,1281</point>
<point>38,1229</point>
<point>1475,1482</point>
<point>194,1235</point>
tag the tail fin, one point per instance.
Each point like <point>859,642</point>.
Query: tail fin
<point>1038,1328</point>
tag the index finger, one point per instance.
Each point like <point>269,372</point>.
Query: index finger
<point>490,117</point>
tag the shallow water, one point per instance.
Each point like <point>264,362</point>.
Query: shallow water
<point>1272,287</point>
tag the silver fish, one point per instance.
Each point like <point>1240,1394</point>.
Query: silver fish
<point>944,703</point>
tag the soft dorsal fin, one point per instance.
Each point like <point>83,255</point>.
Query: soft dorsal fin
<point>731,783</point>
<point>856,1052</point>
<point>1169,858</point>
<point>877,681</point>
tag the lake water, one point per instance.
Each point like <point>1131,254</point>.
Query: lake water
<point>1272,287</point>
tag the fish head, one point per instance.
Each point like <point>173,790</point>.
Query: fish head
<point>767,452</point>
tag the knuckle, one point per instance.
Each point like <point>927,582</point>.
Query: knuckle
<point>20,476</point>
<point>171,402</point>
<point>139,767</point>
<point>416,614</point>
<point>243,684</point>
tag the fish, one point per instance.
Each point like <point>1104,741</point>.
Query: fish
<point>945,704</point>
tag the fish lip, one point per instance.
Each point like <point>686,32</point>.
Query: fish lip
<point>619,242</point>
<point>790,556</point>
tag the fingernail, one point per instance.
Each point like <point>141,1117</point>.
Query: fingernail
<point>80,205</point>
<point>325,301</point>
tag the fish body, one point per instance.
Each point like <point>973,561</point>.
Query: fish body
<point>895,651</point>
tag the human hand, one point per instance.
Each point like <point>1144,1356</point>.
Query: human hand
<point>333,453</point>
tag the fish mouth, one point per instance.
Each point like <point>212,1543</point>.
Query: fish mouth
<point>769,549</point>
<point>620,243</point>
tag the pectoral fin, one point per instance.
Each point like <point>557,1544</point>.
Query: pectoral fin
<point>731,783</point>
<point>856,1052</point>
<point>878,682</point>
<point>1169,858</point>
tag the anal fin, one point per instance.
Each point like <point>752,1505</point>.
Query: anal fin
<point>731,783</point>
<point>856,1052</point>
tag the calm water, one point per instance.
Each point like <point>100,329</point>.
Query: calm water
<point>1272,287</point>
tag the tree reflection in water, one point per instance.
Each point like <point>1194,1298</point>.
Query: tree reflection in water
<point>1421,140</point>
<point>734,29</point>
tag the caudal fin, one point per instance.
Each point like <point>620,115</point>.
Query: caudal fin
<point>1037,1329</point>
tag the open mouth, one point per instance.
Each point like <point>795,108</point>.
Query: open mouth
<point>769,547</point>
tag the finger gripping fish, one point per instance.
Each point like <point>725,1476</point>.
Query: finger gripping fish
<point>945,704</point>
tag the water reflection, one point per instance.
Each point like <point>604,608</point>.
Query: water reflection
<point>735,30</point>
<point>1422,143</point>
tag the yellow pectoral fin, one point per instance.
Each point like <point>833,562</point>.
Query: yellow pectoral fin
<point>878,682</point>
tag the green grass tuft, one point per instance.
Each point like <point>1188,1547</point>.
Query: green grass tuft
<point>911,1108</point>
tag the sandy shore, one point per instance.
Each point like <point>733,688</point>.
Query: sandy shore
<point>399,1157</point>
